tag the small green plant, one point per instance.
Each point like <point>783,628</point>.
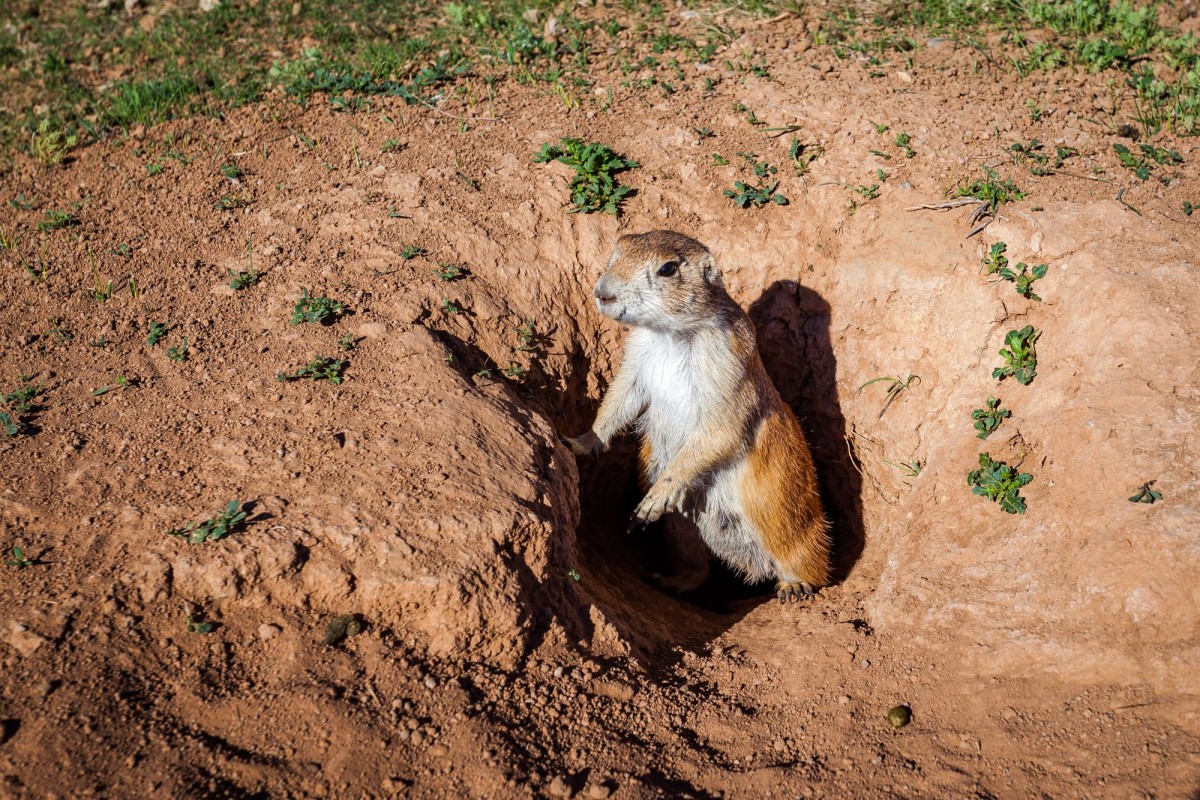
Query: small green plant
<point>347,343</point>
<point>1020,356</point>
<point>1151,156</point>
<point>449,307</point>
<point>315,309</point>
<point>242,279</point>
<point>154,168</point>
<point>1189,207</point>
<point>911,469</point>
<point>24,400</point>
<point>57,220</point>
<point>121,383</point>
<point>513,370</point>
<point>987,420</point>
<point>1023,278</point>
<point>447,273</point>
<point>50,144</point>
<point>525,335</point>
<point>22,202</point>
<point>903,141</point>
<point>802,155</point>
<point>594,187</point>
<point>229,202</point>
<point>392,146</point>
<point>197,624</point>
<point>999,483</point>
<point>157,331</point>
<point>574,575</point>
<point>1145,494</point>
<point>719,160</point>
<point>896,387</point>
<point>1036,112</point>
<point>880,128</point>
<point>248,277</point>
<point>8,241</point>
<point>10,425</point>
<point>179,353</point>
<point>19,560</point>
<point>135,289</point>
<point>320,368</point>
<point>763,192</point>
<point>214,528</point>
<point>411,251</point>
<point>995,260</point>
<point>231,172</point>
<point>993,191</point>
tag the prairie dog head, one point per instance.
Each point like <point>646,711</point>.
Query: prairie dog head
<point>662,280</point>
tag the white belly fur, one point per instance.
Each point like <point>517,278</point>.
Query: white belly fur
<point>668,379</point>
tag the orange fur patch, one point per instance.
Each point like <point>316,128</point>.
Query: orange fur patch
<point>780,495</point>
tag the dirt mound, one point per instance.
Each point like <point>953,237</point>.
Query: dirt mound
<point>512,646</point>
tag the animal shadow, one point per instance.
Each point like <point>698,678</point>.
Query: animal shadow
<point>792,324</point>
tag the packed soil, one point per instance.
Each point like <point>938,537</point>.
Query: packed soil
<point>512,641</point>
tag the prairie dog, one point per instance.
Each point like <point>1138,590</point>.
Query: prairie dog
<point>719,445</point>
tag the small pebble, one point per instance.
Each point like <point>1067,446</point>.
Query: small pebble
<point>431,682</point>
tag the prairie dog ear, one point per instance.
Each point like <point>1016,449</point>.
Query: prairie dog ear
<point>708,268</point>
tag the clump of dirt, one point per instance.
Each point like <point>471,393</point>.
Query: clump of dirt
<point>509,644</point>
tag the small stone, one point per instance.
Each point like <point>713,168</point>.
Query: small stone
<point>778,745</point>
<point>430,682</point>
<point>439,750</point>
<point>598,791</point>
<point>558,787</point>
<point>844,699</point>
<point>267,631</point>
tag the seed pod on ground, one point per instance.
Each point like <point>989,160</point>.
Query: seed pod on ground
<point>899,716</point>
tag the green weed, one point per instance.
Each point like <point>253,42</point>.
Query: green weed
<point>802,155</point>
<point>992,190</point>
<point>243,279</point>
<point>1023,278</point>
<point>995,260</point>
<point>50,143</point>
<point>10,425</point>
<point>347,343</point>
<point>1145,494</point>
<point>121,383</point>
<point>411,251</point>
<point>320,368</point>
<point>157,331</point>
<point>57,219</point>
<point>448,273</point>
<point>594,187</point>
<point>214,528</point>
<point>987,420</point>
<point>315,309</point>
<point>179,353</point>
<point>19,560</point>
<point>1020,356</point>
<point>999,483</point>
<point>902,141</point>
<point>1151,156</point>
<point>762,192</point>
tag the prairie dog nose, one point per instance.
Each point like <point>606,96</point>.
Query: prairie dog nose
<point>605,292</point>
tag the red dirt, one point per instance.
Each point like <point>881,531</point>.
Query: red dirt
<point>512,645</point>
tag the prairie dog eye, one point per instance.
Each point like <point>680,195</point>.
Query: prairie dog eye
<point>668,269</point>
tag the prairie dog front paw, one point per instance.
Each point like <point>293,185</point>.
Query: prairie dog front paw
<point>585,444</point>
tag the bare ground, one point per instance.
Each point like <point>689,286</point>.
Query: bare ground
<point>512,646</point>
